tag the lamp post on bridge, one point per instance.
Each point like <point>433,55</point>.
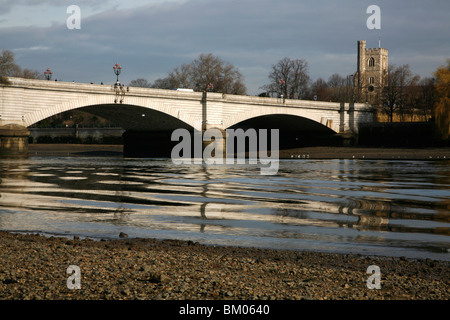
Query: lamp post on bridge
<point>283,89</point>
<point>48,74</point>
<point>117,70</point>
<point>118,88</point>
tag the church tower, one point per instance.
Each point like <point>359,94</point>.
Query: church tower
<point>371,74</point>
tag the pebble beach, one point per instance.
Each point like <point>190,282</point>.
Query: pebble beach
<point>35,267</point>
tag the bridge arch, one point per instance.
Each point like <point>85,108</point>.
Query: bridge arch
<point>134,113</point>
<point>294,119</point>
<point>285,122</point>
<point>294,131</point>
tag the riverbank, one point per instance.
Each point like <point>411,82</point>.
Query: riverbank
<point>62,150</point>
<point>298,153</point>
<point>35,267</point>
<point>366,153</point>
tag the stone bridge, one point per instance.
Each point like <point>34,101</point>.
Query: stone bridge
<point>25,102</point>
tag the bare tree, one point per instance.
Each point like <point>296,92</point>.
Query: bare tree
<point>320,90</point>
<point>164,83</point>
<point>427,97</point>
<point>141,83</point>
<point>336,81</point>
<point>207,72</point>
<point>9,68</point>
<point>442,106</point>
<point>412,97</point>
<point>30,74</point>
<point>289,78</point>
<point>339,88</point>
<point>180,77</point>
<point>394,97</point>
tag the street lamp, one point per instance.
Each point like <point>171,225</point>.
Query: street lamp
<point>48,74</point>
<point>118,88</point>
<point>210,87</point>
<point>283,88</point>
<point>117,69</point>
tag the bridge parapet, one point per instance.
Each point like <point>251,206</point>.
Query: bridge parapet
<point>86,88</point>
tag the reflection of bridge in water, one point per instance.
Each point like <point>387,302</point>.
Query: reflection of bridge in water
<point>196,199</point>
<point>149,116</point>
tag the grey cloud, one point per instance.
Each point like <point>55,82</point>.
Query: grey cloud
<point>7,5</point>
<point>252,34</point>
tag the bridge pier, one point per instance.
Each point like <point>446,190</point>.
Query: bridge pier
<point>347,118</point>
<point>147,144</point>
<point>158,144</point>
<point>14,141</point>
<point>220,140</point>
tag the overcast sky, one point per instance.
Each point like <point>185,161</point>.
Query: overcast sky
<point>150,38</point>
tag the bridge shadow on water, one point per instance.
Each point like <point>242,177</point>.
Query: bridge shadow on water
<point>293,132</point>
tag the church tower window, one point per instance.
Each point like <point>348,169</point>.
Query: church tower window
<point>371,62</point>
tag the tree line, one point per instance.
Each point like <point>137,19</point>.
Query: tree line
<point>206,73</point>
<point>405,96</point>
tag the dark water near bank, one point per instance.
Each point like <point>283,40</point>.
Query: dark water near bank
<point>393,208</point>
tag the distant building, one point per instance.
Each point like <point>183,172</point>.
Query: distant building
<point>372,71</point>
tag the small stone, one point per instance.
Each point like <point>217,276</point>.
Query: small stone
<point>126,292</point>
<point>145,268</point>
<point>123,235</point>
<point>10,281</point>
<point>154,278</point>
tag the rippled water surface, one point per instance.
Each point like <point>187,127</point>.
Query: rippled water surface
<point>394,208</point>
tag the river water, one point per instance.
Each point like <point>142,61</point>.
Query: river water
<point>391,208</point>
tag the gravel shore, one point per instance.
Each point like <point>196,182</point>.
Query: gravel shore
<point>35,267</point>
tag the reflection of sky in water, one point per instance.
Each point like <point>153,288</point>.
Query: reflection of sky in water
<point>375,207</point>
